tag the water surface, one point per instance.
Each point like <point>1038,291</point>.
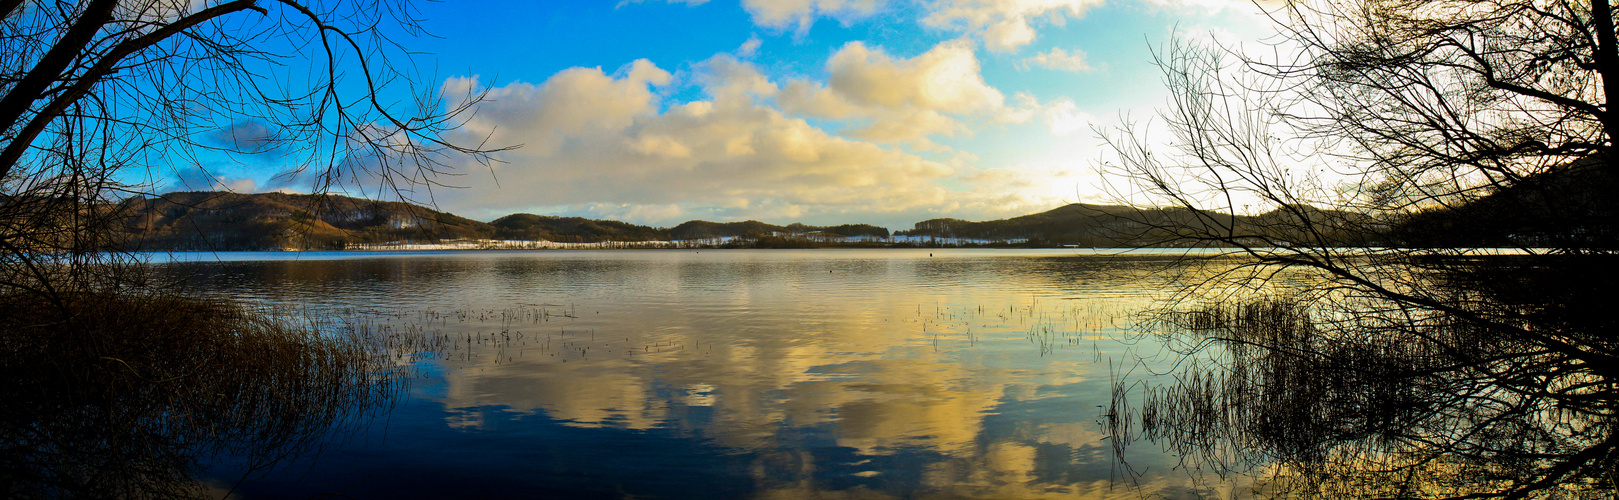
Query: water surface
<point>730,373</point>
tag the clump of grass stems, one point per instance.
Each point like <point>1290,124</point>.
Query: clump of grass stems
<point>121,395</point>
<point>1357,398</point>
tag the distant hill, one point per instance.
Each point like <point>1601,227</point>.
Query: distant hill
<point>1569,207</point>
<point>1121,226</point>
<point>269,221</point>
<point>699,229</point>
<point>223,221</point>
<point>1075,224</point>
<point>571,229</point>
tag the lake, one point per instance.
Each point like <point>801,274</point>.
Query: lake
<point>730,373</point>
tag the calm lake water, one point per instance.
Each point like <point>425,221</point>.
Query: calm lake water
<point>731,373</point>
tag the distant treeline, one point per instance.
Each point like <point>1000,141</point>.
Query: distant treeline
<point>272,221</point>
<point>1121,226</point>
<point>582,230</point>
<point>266,221</point>
<point>223,221</point>
<point>1570,207</point>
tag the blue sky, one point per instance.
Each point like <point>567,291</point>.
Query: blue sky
<point>819,111</point>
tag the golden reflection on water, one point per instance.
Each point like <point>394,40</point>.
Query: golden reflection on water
<point>990,369</point>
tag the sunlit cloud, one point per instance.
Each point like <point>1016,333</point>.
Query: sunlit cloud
<point>1059,59</point>
<point>572,104</point>
<point>1066,119</point>
<point>914,109</point>
<point>1003,25</point>
<point>600,140</point>
<point>1207,6</point>
<point>1025,188</point>
<point>901,99</point>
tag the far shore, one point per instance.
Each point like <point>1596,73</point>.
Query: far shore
<point>706,243</point>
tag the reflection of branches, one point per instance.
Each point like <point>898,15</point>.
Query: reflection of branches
<point>1348,395</point>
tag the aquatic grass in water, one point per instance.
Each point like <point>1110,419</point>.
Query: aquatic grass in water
<point>505,333</point>
<point>1339,399</point>
<point>131,396</point>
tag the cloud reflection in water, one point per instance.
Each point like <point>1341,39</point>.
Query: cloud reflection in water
<point>775,374</point>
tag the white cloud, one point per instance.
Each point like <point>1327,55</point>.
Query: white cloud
<point>201,179</point>
<point>945,78</point>
<point>1003,25</point>
<point>1060,59</point>
<point>693,3</point>
<point>631,212</point>
<point>798,15</point>
<point>244,136</point>
<point>1026,188</point>
<point>901,99</point>
<point>146,15</point>
<point>574,103</point>
<point>750,47</point>
<point>726,78</point>
<point>1065,118</point>
<point>601,143</point>
<point>1214,6</point>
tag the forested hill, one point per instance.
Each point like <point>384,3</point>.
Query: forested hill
<point>1569,207</point>
<point>268,221</point>
<point>699,229</point>
<point>1075,224</point>
<point>1121,226</point>
<point>571,229</point>
<point>222,221</point>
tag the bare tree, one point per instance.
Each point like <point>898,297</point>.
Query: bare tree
<point>100,98</point>
<point>117,387</point>
<point>1412,363</point>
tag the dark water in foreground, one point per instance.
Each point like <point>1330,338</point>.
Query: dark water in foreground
<point>730,374</point>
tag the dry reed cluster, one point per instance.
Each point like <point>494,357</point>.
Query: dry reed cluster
<point>131,395</point>
<point>1347,398</point>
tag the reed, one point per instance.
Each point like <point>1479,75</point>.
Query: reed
<point>1354,399</point>
<point>132,395</point>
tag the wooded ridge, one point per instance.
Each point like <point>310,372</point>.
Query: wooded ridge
<point>224,221</point>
